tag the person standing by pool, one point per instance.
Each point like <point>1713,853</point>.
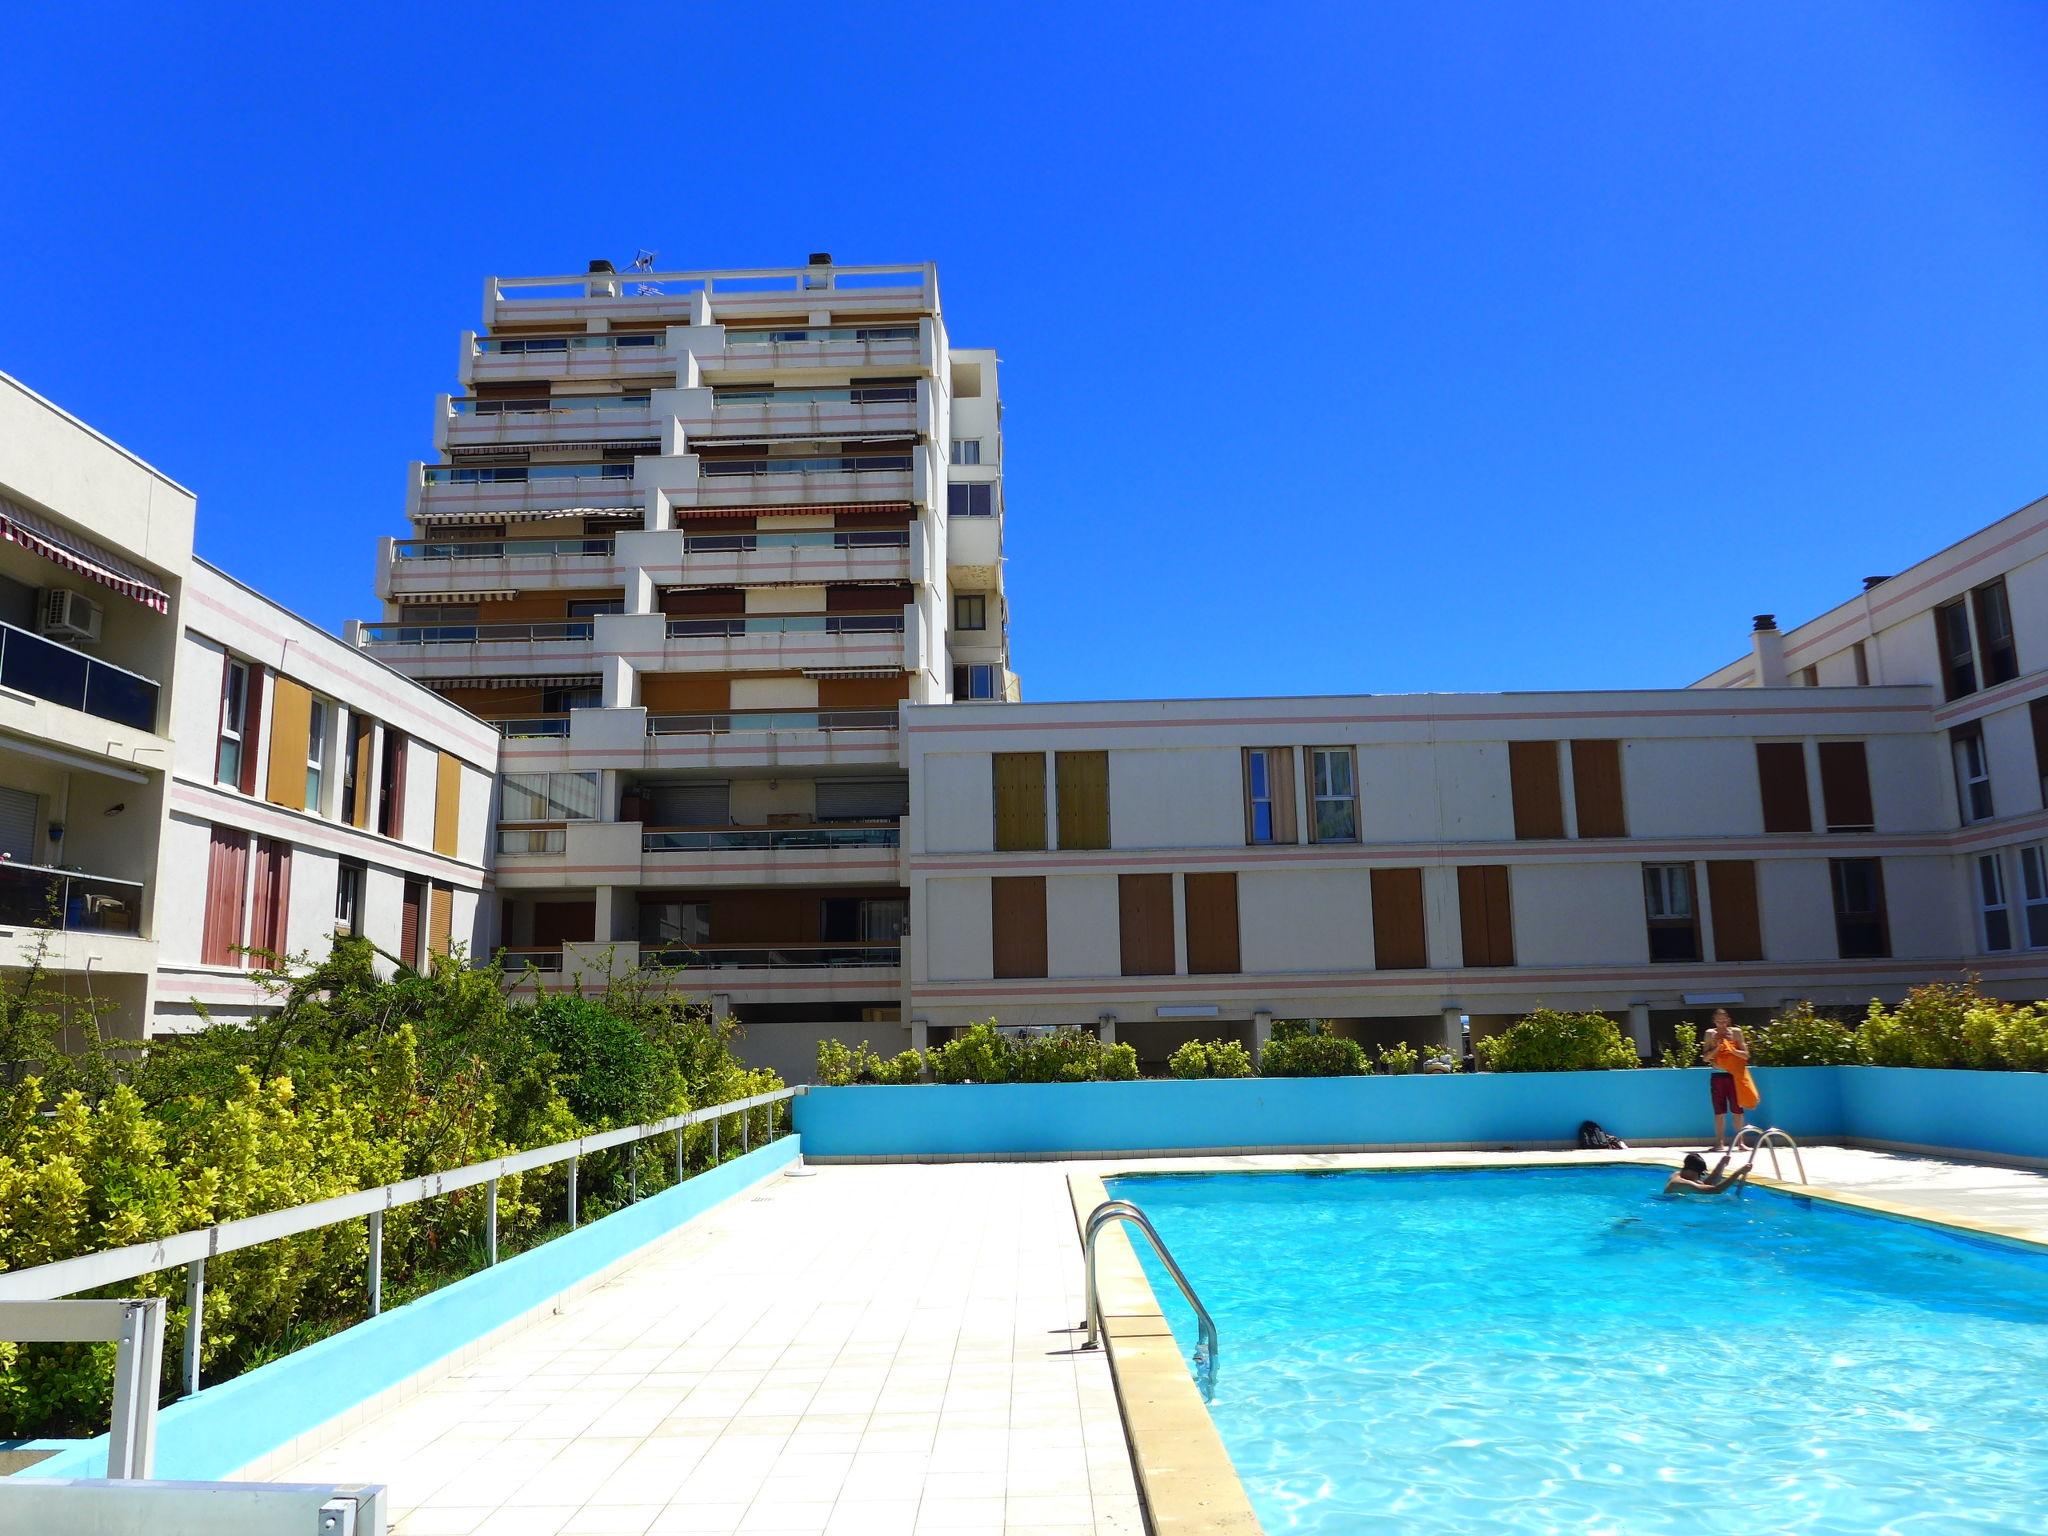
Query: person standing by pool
<point>1733,1091</point>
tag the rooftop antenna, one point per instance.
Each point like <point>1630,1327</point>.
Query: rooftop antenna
<point>643,261</point>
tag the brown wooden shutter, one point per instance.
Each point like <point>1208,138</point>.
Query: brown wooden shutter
<point>1781,780</point>
<point>863,692</point>
<point>1485,915</point>
<point>1081,784</point>
<point>447,804</point>
<point>1017,913</point>
<point>1738,926</point>
<point>1145,919</point>
<point>556,923</point>
<point>227,865</point>
<point>1280,764</point>
<point>1845,786</point>
<point>682,694</point>
<point>1537,788</point>
<point>2038,712</point>
<point>360,811</point>
<point>1399,940</point>
<point>1020,801</point>
<point>271,906</point>
<point>440,920</point>
<point>1596,788</point>
<point>391,809</point>
<point>291,730</point>
<point>409,924</point>
<point>1212,924</point>
<point>252,731</point>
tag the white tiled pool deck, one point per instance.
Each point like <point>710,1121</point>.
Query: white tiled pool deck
<point>882,1350</point>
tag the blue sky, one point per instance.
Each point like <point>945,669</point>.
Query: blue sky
<point>1347,348</point>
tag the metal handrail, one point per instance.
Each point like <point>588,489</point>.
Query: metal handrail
<point>1206,1349</point>
<point>1769,1136</point>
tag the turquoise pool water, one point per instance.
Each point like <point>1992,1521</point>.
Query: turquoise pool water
<point>1559,1350</point>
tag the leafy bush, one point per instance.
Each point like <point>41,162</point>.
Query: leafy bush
<point>1399,1059</point>
<point>1210,1058</point>
<point>2022,1038</point>
<point>1310,1053</point>
<point>609,1071</point>
<point>1684,1051</point>
<point>1799,1037</point>
<point>841,1066</point>
<point>1927,1029</point>
<point>978,1054</point>
<point>1551,1041</point>
<point>1119,1063</point>
<point>1064,1056</point>
<point>902,1069</point>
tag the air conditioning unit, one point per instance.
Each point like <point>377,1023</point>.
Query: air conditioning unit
<point>70,615</point>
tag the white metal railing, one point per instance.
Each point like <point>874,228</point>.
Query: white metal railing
<point>90,1272</point>
<point>749,839</point>
<point>773,720</point>
<point>1772,1137</point>
<point>527,346</point>
<point>1206,1348</point>
<point>813,538</point>
<point>786,624</point>
<point>632,284</point>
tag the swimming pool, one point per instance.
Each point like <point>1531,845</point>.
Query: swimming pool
<point>1558,1350</point>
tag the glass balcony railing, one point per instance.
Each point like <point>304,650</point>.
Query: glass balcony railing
<point>818,538</point>
<point>572,405</point>
<point>773,720</point>
<point>801,335</point>
<point>56,673</point>
<point>786,624</point>
<point>515,960</point>
<point>529,346</point>
<point>769,957</point>
<point>720,839</point>
<point>860,464</point>
<point>32,896</point>
<point>521,474</point>
<point>476,634</point>
<point>533,725</point>
<point>858,394</point>
<point>503,549</point>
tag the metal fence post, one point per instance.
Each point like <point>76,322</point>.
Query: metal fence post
<point>491,1223</point>
<point>633,1173</point>
<point>195,1307</point>
<point>572,1194</point>
<point>679,1156</point>
<point>714,1143</point>
<point>746,1131</point>
<point>138,1365</point>
<point>376,1262</point>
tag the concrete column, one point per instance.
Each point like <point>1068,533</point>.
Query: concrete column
<point>603,928</point>
<point>1262,1032</point>
<point>1180,924</point>
<point>1567,789</point>
<point>1639,1027</point>
<point>1304,800</point>
<point>1454,1032</point>
<point>640,591</point>
<point>920,1035</point>
<point>617,675</point>
<point>1105,1029</point>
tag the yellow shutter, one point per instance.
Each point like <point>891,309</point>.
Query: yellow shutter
<point>1082,782</point>
<point>447,803</point>
<point>1020,800</point>
<point>440,919</point>
<point>364,740</point>
<point>291,729</point>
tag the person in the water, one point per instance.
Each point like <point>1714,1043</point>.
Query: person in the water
<point>1693,1178</point>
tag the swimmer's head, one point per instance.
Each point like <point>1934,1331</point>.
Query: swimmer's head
<point>1694,1165</point>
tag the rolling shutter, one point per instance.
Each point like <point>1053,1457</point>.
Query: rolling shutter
<point>863,799</point>
<point>291,732</point>
<point>440,920</point>
<point>1017,915</point>
<point>1596,788</point>
<point>1738,929</point>
<point>1399,941</point>
<point>1212,924</point>
<point>18,825</point>
<point>1845,786</point>
<point>690,805</point>
<point>1781,781</point>
<point>1537,789</point>
<point>447,804</point>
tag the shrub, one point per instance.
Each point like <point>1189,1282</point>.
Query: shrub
<point>1799,1037</point>
<point>1399,1059</point>
<point>841,1066</point>
<point>610,1071</point>
<point>1306,1054</point>
<point>1118,1063</point>
<point>902,1069</point>
<point>1210,1058</point>
<point>1551,1041</point>
<point>1926,1030</point>
<point>2022,1038</point>
<point>1064,1056</point>
<point>978,1054</point>
<point>1684,1051</point>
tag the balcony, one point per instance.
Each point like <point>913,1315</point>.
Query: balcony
<point>476,649</point>
<point>590,419</point>
<point>453,494</point>
<point>515,962</point>
<point>808,557</point>
<point>772,957</point>
<point>32,896</point>
<point>723,839</point>
<point>732,296</point>
<point>58,674</point>
<point>414,567</point>
<point>835,480</point>
<point>789,642</point>
<point>755,349</point>
<point>827,412</point>
<point>515,359</point>
<point>743,723</point>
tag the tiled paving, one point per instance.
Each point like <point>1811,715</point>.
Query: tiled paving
<point>882,1350</point>
<point>865,1352</point>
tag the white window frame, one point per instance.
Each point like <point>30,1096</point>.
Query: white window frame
<point>349,882</point>
<point>967,451</point>
<point>977,602</point>
<point>1659,889</point>
<point>1994,906</point>
<point>2034,895</point>
<point>1324,791</point>
<point>1259,762</point>
<point>234,715</point>
<point>553,805</point>
<point>320,714</point>
<point>1973,776</point>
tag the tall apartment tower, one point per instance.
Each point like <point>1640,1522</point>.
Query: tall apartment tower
<point>690,541</point>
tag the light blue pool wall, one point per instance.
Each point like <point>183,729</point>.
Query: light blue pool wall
<point>2002,1114</point>
<point>224,1428</point>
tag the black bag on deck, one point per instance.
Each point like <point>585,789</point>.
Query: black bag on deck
<point>1593,1139</point>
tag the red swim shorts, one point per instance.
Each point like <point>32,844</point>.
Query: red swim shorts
<point>1723,1086</point>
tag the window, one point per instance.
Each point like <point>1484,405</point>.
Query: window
<point>355,772</point>
<point>548,797</point>
<point>1952,636</point>
<point>1019,800</point>
<point>234,717</point>
<point>1017,918</point>
<point>316,753</point>
<point>675,924</point>
<point>1211,904</point>
<point>559,701</point>
<point>1081,790</point>
<point>2001,657</point>
<point>2037,715</point>
<point>1536,789</point>
<point>1845,787</point>
<point>348,898</point>
<point>391,792</point>
<point>1399,942</point>
<point>1781,781</point>
<point>595,607</point>
<point>863,919</point>
<point>974,682</point>
<point>1268,795</point>
<point>970,611</point>
<point>1145,924</point>
<point>2034,893</point>
<point>967,450</point>
<point>1973,773</point>
<point>1336,794</point>
<point>1486,918</point>
<point>1860,932</point>
<point>977,500</point>
<point>1991,903</point>
<point>1668,905</point>
<point>1861,655</point>
<point>1808,677</point>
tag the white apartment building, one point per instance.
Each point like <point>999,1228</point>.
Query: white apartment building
<point>691,541</point>
<point>188,771</point>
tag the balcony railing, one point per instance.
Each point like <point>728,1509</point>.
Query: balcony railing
<point>527,726</point>
<point>522,474</point>
<point>786,624</point>
<point>818,538</point>
<point>807,335</point>
<point>533,839</point>
<point>476,634</point>
<point>56,673</point>
<point>32,896</point>
<point>769,957</point>
<point>855,394</point>
<point>516,346</point>
<point>773,720</point>
<point>857,464</point>
<point>502,549</point>
<point>512,960</point>
<point>722,839</point>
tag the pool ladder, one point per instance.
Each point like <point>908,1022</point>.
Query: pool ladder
<point>1123,1210</point>
<point>1769,1136</point>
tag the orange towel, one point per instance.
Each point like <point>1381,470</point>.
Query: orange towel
<point>1728,1059</point>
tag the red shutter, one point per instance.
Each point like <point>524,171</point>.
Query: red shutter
<point>252,730</point>
<point>272,904</point>
<point>409,925</point>
<point>226,866</point>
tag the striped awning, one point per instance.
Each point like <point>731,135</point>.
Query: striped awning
<point>521,515</point>
<point>804,509</point>
<point>75,552</point>
<point>496,595</point>
<point>854,671</point>
<point>447,684</point>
